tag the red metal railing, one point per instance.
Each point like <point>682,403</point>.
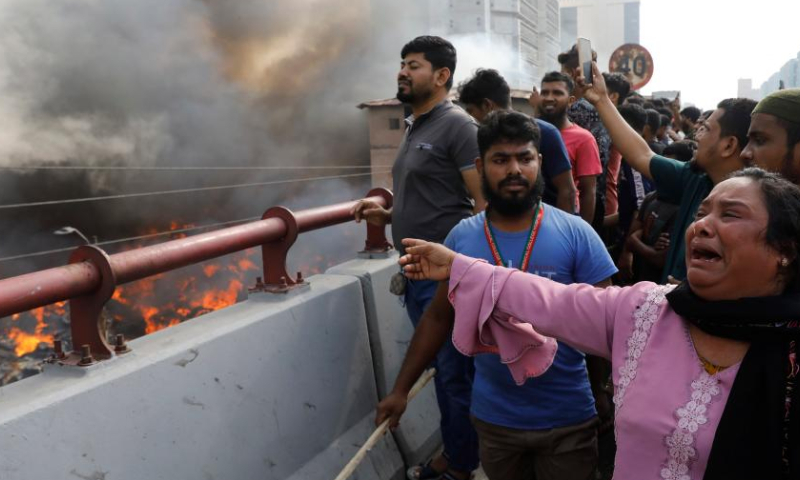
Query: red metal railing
<point>90,279</point>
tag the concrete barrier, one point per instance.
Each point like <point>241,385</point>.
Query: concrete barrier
<point>276,387</point>
<point>390,332</point>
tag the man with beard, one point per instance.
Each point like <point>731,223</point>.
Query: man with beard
<point>488,91</point>
<point>435,186</point>
<point>774,135</point>
<point>583,114</point>
<point>584,154</point>
<point>546,428</point>
<point>720,140</point>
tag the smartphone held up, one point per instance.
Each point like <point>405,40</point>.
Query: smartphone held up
<point>585,59</point>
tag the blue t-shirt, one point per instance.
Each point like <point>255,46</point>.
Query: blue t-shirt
<point>567,250</point>
<point>555,159</point>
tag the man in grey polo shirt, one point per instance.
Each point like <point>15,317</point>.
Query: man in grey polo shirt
<point>435,187</point>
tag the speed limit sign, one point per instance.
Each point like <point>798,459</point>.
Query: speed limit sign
<point>633,61</point>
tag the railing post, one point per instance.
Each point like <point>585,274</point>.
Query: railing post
<point>86,320</point>
<point>273,255</point>
<point>376,236</point>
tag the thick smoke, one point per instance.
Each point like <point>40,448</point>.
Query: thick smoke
<point>179,82</point>
<point>186,83</point>
<point>190,83</point>
<point>482,51</point>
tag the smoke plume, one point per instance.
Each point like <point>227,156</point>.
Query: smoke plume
<point>178,83</point>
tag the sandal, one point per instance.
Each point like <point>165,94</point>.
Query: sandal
<point>424,471</point>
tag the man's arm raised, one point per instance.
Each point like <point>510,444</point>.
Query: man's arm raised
<point>632,146</point>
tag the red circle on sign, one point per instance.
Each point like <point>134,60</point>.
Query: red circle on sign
<point>633,61</point>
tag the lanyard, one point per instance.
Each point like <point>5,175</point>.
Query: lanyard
<point>532,233</point>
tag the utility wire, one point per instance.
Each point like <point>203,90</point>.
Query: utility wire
<point>180,168</point>
<point>184,190</point>
<point>130,239</point>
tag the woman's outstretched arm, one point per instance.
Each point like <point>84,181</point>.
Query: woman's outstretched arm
<point>578,314</point>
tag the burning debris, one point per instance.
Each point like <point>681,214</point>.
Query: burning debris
<point>157,302</point>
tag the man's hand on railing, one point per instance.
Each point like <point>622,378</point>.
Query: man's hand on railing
<point>373,213</point>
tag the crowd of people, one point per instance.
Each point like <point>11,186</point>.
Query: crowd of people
<point>607,288</point>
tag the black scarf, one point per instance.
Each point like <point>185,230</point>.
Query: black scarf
<point>757,437</point>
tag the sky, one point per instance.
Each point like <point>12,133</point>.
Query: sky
<point>702,47</point>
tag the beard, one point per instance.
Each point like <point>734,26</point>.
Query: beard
<point>405,97</point>
<point>554,117</point>
<point>789,169</point>
<point>517,204</point>
<point>414,94</point>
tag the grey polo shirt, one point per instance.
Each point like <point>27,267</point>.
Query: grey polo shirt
<point>430,197</point>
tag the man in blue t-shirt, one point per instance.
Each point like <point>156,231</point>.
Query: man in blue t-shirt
<point>547,428</point>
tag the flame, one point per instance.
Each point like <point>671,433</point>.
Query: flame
<point>27,342</point>
<point>160,301</point>
<point>197,291</point>
<point>216,299</point>
<point>246,264</point>
<point>210,270</point>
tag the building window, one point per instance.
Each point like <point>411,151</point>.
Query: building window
<point>394,124</point>
<point>479,21</point>
<point>569,27</point>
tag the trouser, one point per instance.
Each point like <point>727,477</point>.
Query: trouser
<point>566,453</point>
<point>453,384</point>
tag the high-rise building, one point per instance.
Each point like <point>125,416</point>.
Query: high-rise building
<point>608,24</point>
<point>787,77</point>
<point>527,30</point>
<point>745,89</point>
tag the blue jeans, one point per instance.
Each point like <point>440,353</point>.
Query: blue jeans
<point>453,383</point>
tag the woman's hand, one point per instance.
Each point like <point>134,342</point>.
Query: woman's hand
<point>426,260</point>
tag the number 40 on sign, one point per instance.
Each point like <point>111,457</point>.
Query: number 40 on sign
<point>633,61</point>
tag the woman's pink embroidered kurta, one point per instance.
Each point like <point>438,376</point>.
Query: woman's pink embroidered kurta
<point>668,407</point>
